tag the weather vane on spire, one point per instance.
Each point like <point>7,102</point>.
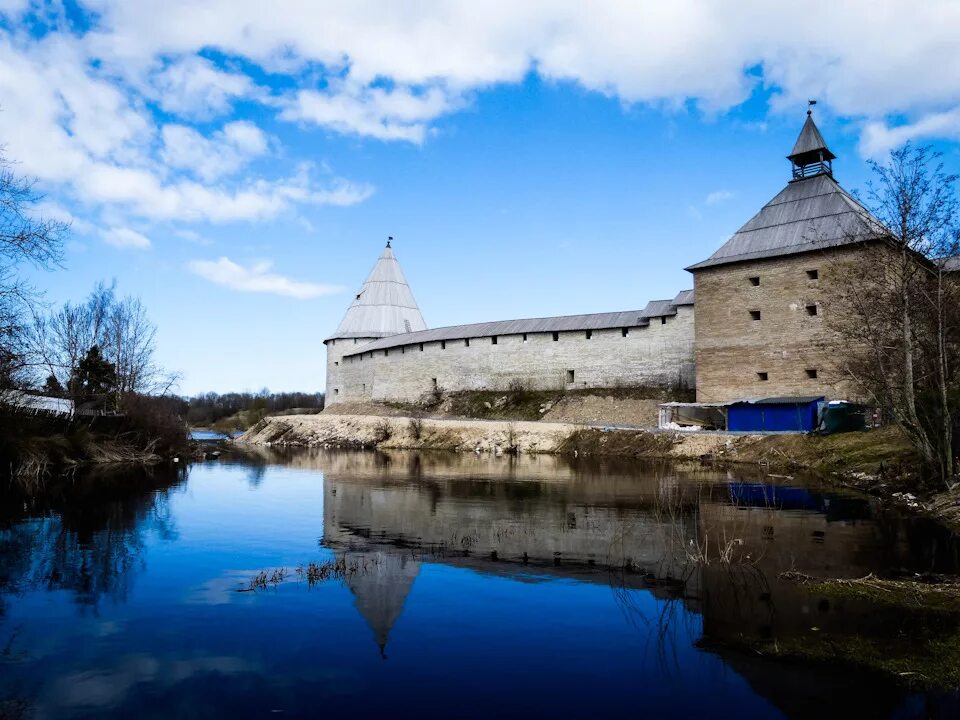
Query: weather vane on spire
<point>389,240</point>
<point>810,104</point>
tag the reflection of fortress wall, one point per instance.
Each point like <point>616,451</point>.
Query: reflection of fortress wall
<point>584,514</point>
<point>601,478</point>
<point>521,521</point>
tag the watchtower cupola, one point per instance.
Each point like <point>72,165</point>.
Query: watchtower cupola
<point>810,155</point>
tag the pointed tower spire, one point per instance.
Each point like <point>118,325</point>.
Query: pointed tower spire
<point>810,155</point>
<point>384,305</point>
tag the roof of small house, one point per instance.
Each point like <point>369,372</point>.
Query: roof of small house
<point>562,323</point>
<point>384,304</point>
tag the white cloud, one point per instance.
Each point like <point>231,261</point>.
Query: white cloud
<point>859,60</point>
<point>398,114</point>
<point>257,279</point>
<point>878,138</point>
<point>86,133</point>
<point>193,87</point>
<point>126,239</point>
<point>209,158</point>
<point>717,197</point>
<point>80,106</point>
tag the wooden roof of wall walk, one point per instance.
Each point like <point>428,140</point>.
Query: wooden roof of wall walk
<point>562,323</point>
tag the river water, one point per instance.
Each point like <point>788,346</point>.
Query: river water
<point>443,585</point>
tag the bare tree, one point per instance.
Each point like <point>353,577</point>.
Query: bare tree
<point>898,308</point>
<point>25,239</point>
<point>63,337</point>
<point>119,327</point>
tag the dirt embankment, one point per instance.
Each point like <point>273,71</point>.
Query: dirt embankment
<point>327,430</point>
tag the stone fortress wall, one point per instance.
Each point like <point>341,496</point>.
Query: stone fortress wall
<point>660,353</point>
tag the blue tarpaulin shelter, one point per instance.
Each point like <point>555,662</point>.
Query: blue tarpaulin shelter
<point>775,414</point>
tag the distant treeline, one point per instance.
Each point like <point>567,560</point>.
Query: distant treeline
<point>210,408</point>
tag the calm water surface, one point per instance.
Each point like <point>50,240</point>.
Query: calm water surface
<point>468,587</point>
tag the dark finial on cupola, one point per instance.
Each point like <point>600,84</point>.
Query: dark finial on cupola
<point>810,155</point>
<point>389,240</point>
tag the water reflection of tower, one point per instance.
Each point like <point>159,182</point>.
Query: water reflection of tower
<point>380,588</point>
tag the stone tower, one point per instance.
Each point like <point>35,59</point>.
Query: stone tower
<point>763,295</point>
<point>383,306</point>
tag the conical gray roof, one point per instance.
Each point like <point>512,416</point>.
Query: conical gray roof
<point>384,305</point>
<point>810,144</point>
<point>809,214</point>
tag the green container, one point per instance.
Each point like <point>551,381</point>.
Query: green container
<point>842,417</point>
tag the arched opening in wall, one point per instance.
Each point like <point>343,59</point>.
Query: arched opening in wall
<point>493,340</point>
<point>663,320</point>
<point>624,331</point>
<point>524,337</point>
<point>443,344</point>
<point>466,342</point>
<point>556,336</point>
<point>570,376</point>
<point>589,334</point>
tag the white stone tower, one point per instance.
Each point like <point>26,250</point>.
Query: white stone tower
<point>383,306</point>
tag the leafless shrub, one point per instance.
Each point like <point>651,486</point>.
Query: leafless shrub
<point>416,427</point>
<point>382,431</point>
<point>513,446</point>
<point>519,391</point>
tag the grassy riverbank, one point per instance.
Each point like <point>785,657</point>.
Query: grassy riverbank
<point>34,449</point>
<point>920,648</point>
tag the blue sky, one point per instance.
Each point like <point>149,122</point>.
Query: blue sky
<point>241,171</point>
